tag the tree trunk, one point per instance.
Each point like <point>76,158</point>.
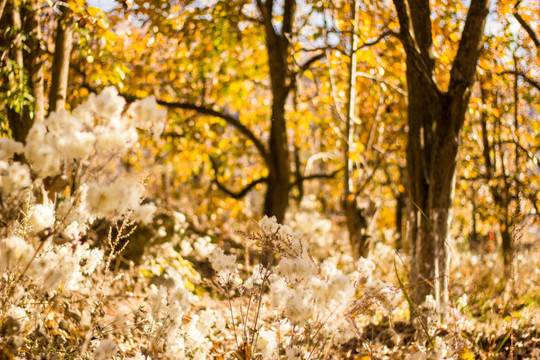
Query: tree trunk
<point>357,226</point>
<point>29,67</point>
<point>507,246</point>
<point>61,61</point>
<point>435,120</point>
<point>279,168</point>
<point>34,62</point>
<point>401,202</point>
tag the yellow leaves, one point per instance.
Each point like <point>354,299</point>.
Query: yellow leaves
<point>454,36</point>
<point>93,11</point>
<point>466,354</point>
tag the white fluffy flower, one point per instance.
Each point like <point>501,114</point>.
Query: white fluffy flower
<point>14,250</point>
<point>116,136</point>
<point>365,268</point>
<point>8,147</point>
<point>13,178</point>
<point>105,350</point>
<point>294,353</point>
<point>266,344</point>
<point>145,213</point>
<point>203,247</point>
<point>222,264</point>
<point>145,115</point>
<point>76,145</point>
<point>92,258</point>
<point>295,270</point>
<point>108,104</point>
<point>113,200</point>
<point>279,292</point>
<point>269,224</point>
<point>73,231</point>
<point>298,308</point>
<point>41,216</point>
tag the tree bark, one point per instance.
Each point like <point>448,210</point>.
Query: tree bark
<point>61,61</point>
<point>35,61</point>
<point>29,66</point>
<point>435,120</point>
<point>279,167</point>
<point>355,220</point>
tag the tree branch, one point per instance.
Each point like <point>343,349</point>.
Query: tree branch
<point>288,17</point>
<point>2,6</point>
<point>234,194</point>
<point>524,76</point>
<point>317,176</point>
<point>421,60</point>
<point>229,118</point>
<point>379,39</point>
<point>527,28</point>
<point>464,67</point>
<point>305,66</point>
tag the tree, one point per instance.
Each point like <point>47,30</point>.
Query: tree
<point>435,118</point>
<point>22,65</point>
<point>284,69</point>
<point>61,60</point>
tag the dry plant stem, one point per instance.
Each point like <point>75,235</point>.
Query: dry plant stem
<point>412,307</point>
<point>41,244</point>
<point>232,318</point>
<point>244,317</point>
<point>365,342</point>
<point>259,303</point>
<point>321,325</point>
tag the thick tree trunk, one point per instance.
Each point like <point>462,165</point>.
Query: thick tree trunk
<point>435,120</point>
<point>61,61</point>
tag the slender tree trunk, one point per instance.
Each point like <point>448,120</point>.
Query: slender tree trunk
<point>2,7</point>
<point>401,202</point>
<point>279,172</point>
<point>34,62</point>
<point>29,66</point>
<point>507,245</point>
<point>356,222</point>
<point>61,61</point>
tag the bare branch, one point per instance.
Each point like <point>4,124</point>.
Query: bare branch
<point>310,62</point>
<point>302,69</point>
<point>316,176</point>
<point>235,194</point>
<point>524,76</point>
<point>229,118</point>
<point>528,29</point>
<point>379,39</point>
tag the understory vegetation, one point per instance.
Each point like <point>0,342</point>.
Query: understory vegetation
<point>271,292</point>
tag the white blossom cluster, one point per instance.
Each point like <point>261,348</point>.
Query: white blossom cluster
<point>185,334</point>
<point>305,297</point>
<point>52,188</point>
